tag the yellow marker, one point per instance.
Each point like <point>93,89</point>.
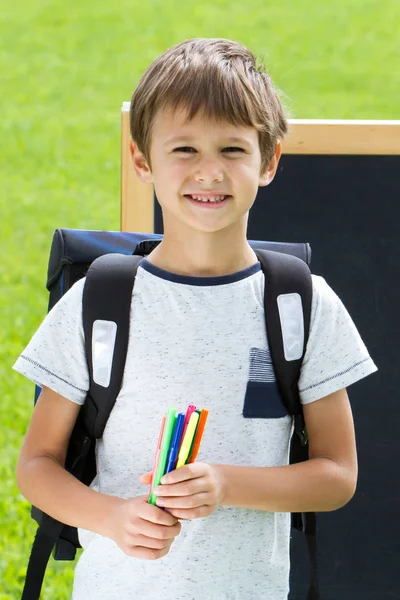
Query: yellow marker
<point>187,440</point>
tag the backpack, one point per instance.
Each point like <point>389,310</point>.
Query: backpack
<point>109,261</point>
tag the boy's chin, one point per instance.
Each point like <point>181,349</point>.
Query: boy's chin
<point>197,226</point>
<point>207,223</point>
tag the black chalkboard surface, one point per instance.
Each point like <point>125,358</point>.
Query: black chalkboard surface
<point>348,209</point>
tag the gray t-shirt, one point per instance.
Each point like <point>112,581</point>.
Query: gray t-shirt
<point>201,341</point>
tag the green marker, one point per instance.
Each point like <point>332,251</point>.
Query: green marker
<point>165,444</point>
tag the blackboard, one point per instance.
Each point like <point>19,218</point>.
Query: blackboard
<point>348,209</point>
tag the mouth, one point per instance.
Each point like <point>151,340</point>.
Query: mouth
<point>208,201</point>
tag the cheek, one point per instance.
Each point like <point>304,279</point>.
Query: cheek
<point>169,179</point>
<point>177,171</point>
<point>246,175</point>
<point>171,172</point>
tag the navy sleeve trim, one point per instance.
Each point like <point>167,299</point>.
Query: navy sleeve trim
<point>52,374</point>
<point>314,385</point>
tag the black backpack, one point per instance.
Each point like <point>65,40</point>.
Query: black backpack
<point>109,261</point>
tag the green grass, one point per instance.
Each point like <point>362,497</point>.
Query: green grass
<point>65,73</point>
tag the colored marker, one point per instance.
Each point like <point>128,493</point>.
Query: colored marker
<point>187,440</point>
<point>199,434</point>
<point>175,444</point>
<point>194,437</point>
<point>166,441</point>
<point>157,455</point>
<point>190,409</point>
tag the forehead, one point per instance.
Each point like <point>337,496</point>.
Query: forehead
<point>174,124</point>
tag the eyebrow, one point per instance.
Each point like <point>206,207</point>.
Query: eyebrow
<point>188,138</point>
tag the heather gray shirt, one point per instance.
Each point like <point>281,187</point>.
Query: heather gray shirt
<point>201,341</point>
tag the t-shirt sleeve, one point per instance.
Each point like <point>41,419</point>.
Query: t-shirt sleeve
<point>336,356</point>
<point>55,356</point>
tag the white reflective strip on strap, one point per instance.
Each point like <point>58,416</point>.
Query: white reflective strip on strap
<point>292,325</point>
<point>103,344</point>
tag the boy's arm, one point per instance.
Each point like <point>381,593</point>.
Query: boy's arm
<point>140,530</point>
<point>41,476</point>
<point>325,482</point>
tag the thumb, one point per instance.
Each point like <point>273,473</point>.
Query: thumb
<point>146,478</point>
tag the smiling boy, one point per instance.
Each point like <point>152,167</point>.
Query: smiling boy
<point>191,172</point>
<point>207,127</point>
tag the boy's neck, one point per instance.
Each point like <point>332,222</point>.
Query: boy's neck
<point>203,255</point>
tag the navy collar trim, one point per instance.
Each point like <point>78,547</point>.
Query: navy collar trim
<point>201,281</point>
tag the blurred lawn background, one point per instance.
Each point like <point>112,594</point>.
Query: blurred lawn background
<point>65,72</point>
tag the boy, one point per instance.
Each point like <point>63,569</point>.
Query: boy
<point>206,127</point>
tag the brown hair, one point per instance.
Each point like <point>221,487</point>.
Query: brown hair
<point>220,77</point>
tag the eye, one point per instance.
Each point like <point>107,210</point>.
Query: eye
<point>190,149</point>
<point>184,149</point>
<point>234,149</point>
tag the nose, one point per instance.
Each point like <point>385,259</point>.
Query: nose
<point>209,171</point>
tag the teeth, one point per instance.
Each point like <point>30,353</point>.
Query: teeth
<point>204,199</point>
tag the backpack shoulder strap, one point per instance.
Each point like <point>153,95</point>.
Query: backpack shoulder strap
<point>286,274</point>
<point>107,296</point>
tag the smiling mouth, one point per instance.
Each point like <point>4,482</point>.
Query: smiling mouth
<point>208,199</point>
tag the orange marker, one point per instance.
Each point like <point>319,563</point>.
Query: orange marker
<point>199,434</point>
<point>157,455</point>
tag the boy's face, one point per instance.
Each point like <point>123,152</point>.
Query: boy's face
<point>207,159</point>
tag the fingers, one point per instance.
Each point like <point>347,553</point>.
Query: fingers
<point>183,501</point>
<point>188,507</point>
<point>153,541</point>
<point>185,488</point>
<point>186,473</point>
<point>187,514</point>
<point>146,553</point>
<point>160,532</point>
<point>153,514</point>
<point>146,478</point>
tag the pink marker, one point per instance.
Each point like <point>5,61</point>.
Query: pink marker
<point>157,455</point>
<point>190,409</point>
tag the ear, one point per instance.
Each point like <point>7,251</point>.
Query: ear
<point>267,177</point>
<point>140,164</point>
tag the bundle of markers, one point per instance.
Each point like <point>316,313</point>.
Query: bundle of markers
<point>178,442</point>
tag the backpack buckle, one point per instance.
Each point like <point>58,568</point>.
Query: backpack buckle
<point>300,429</point>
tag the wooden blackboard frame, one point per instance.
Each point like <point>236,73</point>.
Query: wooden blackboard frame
<point>307,136</point>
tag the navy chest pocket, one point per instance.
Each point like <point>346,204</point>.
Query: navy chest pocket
<point>262,399</point>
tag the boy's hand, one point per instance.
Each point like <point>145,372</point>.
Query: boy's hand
<point>140,529</point>
<point>192,491</point>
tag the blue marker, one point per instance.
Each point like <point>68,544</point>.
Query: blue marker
<point>175,443</point>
